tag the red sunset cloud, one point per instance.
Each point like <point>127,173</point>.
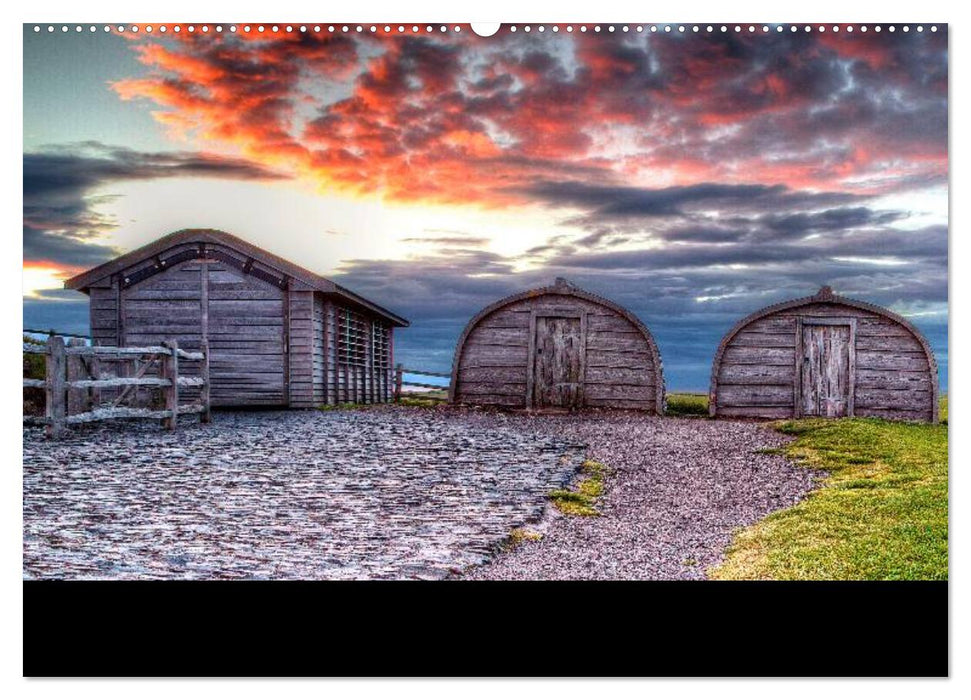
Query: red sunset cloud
<point>455,118</point>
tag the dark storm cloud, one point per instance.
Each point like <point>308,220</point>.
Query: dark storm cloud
<point>60,217</point>
<point>607,201</point>
<point>831,220</point>
<point>690,293</point>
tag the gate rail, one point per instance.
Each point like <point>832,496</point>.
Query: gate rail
<point>73,398</point>
<point>399,382</point>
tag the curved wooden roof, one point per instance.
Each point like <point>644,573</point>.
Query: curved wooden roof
<point>564,288</point>
<point>86,279</point>
<point>825,295</point>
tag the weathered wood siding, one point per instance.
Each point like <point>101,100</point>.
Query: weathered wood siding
<point>278,335</point>
<point>301,347</point>
<point>764,370</point>
<point>104,315</point>
<point>617,369</point>
<point>320,371</point>
<point>242,317</point>
<point>247,339</point>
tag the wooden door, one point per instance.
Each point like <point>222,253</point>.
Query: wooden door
<point>558,361</point>
<point>826,378</point>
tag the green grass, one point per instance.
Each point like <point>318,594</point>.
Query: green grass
<point>582,498</point>
<point>34,364</point>
<point>429,399</point>
<point>881,514</point>
<point>687,405</point>
<point>519,536</point>
<point>942,409</point>
<point>420,400</point>
<point>347,406</point>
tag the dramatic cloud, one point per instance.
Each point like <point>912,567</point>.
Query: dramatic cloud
<point>61,222</point>
<point>454,118</point>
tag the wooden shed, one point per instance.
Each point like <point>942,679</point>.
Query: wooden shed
<point>557,347</point>
<point>279,335</point>
<point>824,355</point>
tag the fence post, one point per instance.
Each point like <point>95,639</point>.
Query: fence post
<point>54,387</point>
<point>94,395</point>
<point>204,396</point>
<point>399,373</point>
<point>170,371</point>
<point>76,398</point>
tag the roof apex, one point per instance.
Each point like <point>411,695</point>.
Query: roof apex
<point>208,235</point>
<point>825,293</point>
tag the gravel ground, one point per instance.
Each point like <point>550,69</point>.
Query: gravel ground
<point>394,493</point>
<point>381,493</point>
<point>678,489</point>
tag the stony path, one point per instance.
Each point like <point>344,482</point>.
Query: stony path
<point>394,493</point>
<point>383,493</point>
<point>678,490</point>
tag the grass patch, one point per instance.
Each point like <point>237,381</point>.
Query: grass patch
<point>35,367</point>
<point>519,536</point>
<point>942,409</point>
<point>346,406</point>
<point>686,405</point>
<point>881,514</point>
<point>420,401</point>
<point>582,498</point>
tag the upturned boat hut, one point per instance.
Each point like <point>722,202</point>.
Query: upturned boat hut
<point>827,356</point>
<point>557,347</point>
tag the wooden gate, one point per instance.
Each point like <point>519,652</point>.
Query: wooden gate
<point>80,388</point>
<point>558,352</point>
<point>825,377</point>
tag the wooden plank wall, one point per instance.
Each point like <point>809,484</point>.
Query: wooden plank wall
<point>620,370</point>
<point>756,377</point>
<point>301,344</point>
<point>268,346</point>
<point>246,339</point>
<point>244,321</point>
<point>103,307</point>
<point>166,306</point>
<point>320,369</point>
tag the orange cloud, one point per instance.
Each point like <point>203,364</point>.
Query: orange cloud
<point>453,118</point>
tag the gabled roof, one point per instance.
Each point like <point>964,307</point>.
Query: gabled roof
<point>85,280</point>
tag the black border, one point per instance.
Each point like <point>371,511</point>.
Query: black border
<point>481,629</point>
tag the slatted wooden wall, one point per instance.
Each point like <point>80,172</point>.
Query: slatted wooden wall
<point>755,373</point>
<point>271,342</point>
<point>320,369</point>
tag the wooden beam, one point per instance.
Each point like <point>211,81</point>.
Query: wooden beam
<point>398,376</point>
<point>55,392</point>
<point>75,372</point>
<point>170,370</point>
<point>205,394</point>
<point>286,345</point>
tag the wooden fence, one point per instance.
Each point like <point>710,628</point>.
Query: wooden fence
<point>79,390</point>
<point>400,383</point>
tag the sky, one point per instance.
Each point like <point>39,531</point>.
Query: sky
<point>691,178</point>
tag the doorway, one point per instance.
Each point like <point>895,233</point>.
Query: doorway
<point>558,349</point>
<point>825,371</point>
